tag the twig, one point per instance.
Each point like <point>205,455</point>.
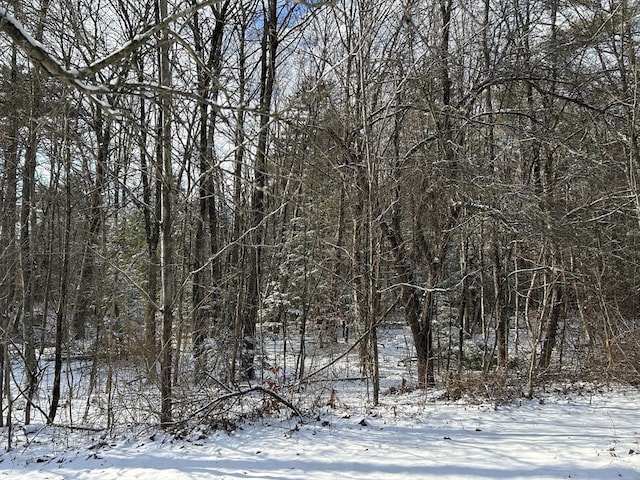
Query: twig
<point>81,428</point>
<point>240,393</point>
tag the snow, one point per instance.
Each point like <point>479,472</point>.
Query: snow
<point>578,436</point>
<point>39,53</point>
<point>574,430</point>
<point>5,16</point>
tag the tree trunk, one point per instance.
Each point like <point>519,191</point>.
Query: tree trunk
<point>499,307</point>
<point>61,311</point>
<point>419,321</point>
<point>269,51</point>
<point>8,222</point>
<point>90,273</point>
<point>27,227</point>
<point>27,222</point>
<point>206,306</point>
<point>165,172</point>
<point>551,329</point>
<point>151,214</point>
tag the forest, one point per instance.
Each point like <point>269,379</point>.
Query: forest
<point>181,180</point>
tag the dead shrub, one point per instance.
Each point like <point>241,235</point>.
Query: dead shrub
<point>496,387</point>
<point>617,359</point>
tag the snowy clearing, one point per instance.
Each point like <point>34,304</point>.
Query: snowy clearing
<point>565,436</point>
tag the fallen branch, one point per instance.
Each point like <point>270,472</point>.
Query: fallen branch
<point>80,428</point>
<point>240,393</point>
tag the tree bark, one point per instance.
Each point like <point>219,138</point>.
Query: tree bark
<point>165,171</point>
<point>151,188</point>
<point>91,273</point>
<point>419,323</point>
<point>268,70</point>
<point>61,311</point>
<point>27,222</point>
<point>8,247</point>
<point>206,307</point>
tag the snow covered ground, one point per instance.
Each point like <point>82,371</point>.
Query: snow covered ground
<point>577,431</point>
<point>566,436</point>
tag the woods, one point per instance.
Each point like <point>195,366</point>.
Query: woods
<point>180,179</point>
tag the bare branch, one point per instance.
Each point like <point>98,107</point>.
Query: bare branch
<point>315,4</point>
<point>37,52</point>
<point>140,39</point>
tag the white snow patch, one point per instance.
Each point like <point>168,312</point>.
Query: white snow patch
<point>407,437</point>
